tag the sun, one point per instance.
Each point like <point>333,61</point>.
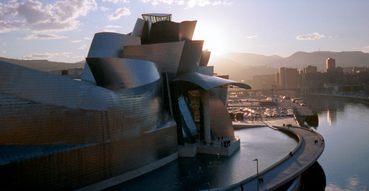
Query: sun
<point>214,41</point>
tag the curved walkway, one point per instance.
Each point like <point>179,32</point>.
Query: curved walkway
<point>309,149</point>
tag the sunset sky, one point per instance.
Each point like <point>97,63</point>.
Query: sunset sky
<point>63,30</point>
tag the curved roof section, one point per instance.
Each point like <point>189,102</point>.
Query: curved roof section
<point>121,73</point>
<point>207,82</point>
<point>107,45</point>
<point>205,56</point>
<point>52,89</point>
<point>166,56</point>
<point>220,122</point>
<point>110,45</point>
<point>168,31</point>
<point>190,58</point>
<point>139,27</point>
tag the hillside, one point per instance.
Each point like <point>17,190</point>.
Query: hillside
<point>251,59</point>
<point>239,71</point>
<point>240,66</point>
<point>44,65</point>
<point>243,66</point>
<point>302,59</point>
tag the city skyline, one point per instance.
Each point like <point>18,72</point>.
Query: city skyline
<point>63,30</point>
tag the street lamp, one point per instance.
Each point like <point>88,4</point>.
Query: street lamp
<point>257,173</point>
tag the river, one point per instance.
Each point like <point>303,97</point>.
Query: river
<point>343,124</point>
<point>345,127</point>
<point>204,171</point>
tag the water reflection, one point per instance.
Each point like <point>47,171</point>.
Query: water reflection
<point>332,116</point>
<point>313,179</point>
<point>345,158</point>
<point>198,173</point>
<point>352,183</point>
<point>322,105</point>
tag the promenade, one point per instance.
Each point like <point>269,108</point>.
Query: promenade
<point>308,150</point>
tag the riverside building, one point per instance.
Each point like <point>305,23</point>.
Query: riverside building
<point>144,99</point>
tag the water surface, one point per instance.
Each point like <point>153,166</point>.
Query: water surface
<point>204,171</point>
<point>345,128</point>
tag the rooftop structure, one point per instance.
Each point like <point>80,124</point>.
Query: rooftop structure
<point>156,17</point>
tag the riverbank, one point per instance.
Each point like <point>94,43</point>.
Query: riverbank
<point>310,147</point>
<point>344,125</point>
<point>269,122</point>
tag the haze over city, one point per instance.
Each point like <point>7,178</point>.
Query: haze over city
<point>63,30</point>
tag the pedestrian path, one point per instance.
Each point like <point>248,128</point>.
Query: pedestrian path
<point>309,149</point>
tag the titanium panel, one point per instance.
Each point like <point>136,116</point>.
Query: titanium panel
<point>51,89</point>
<point>121,73</point>
<point>205,56</point>
<point>17,153</point>
<point>25,122</point>
<point>207,82</point>
<point>166,56</point>
<point>139,90</point>
<point>190,57</point>
<point>80,167</point>
<point>168,31</point>
<point>107,45</point>
<point>119,112</point>
<point>110,45</point>
<point>220,121</point>
<point>186,30</point>
<point>164,31</point>
<point>187,116</point>
<point>222,93</point>
<point>139,27</point>
<point>87,75</point>
<point>207,70</point>
<point>146,32</point>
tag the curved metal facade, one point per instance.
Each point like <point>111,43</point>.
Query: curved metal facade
<point>190,57</point>
<point>110,45</point>
<point>139,27</point>
<point>168,31</point>
<point>69,96</point>
<point>207,82</point>
<point>120,73</point>
<point>94,133</point>
<point>220,123</point>
<point>107,45</point>
<point>205,56</point>
<point>60,134</point>
<point>166,56</point>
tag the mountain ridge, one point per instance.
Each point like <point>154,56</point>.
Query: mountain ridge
<point>239,66</point>
<point>242,66</point>
<point>43,65</point>
<point>303,59</point>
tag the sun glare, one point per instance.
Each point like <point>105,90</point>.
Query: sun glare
<point>213,41</point>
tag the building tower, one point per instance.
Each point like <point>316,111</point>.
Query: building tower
<point>288,77</point>
<point>330,65</point>
<point>310,69</point>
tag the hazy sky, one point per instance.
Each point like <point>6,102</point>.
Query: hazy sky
<point>63,30</point>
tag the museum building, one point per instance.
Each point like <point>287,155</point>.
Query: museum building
<point>141,96</point>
